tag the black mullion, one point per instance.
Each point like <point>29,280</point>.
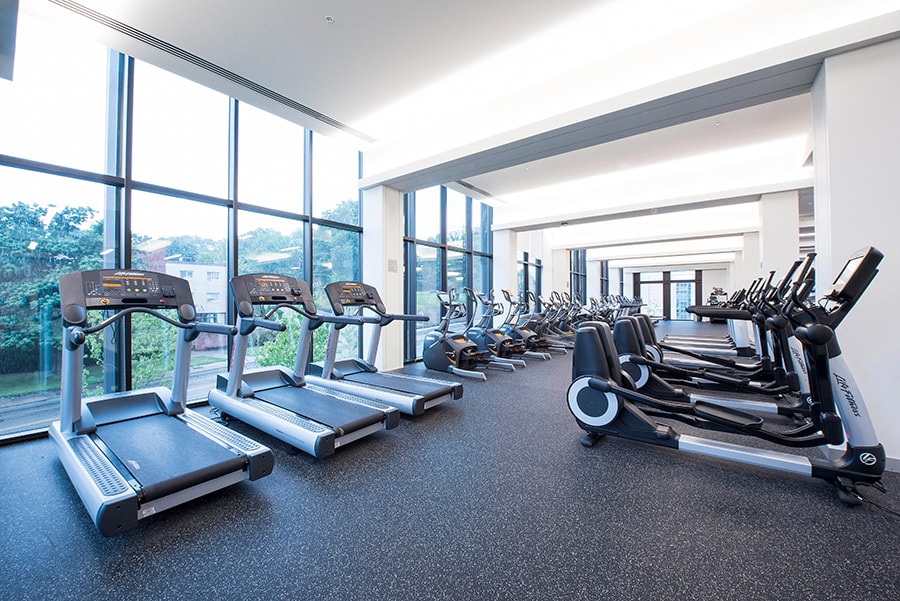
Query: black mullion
<point>113,229</point>
<point>667,295</point>
<point>231,242</point>
<point>308,249</point>
<point>124,367</point>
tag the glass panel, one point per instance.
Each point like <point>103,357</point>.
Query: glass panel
<point>335,180</point>
<point>193,247</point>
<point>428,283</point>
<point>456,219</point>
<point>481,273</point>
<point>428,214</point>
<point>270,160</point>
<point>652,295</point>
<point>534,279</point>
<point>520,276</point>
<point>682,297</point>
<point>456,279</point>
<point>481,226</point>
<point>651,276</point>
<point>268,243</point>
<point>180,133</point>
<point>335,258</point>
<point>55,109</point>
<point>48,226</point>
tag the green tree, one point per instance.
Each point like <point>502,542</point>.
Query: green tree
<point>266,249</point>
<point>34,252</point>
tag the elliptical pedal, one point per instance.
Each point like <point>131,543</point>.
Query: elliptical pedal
<point>727,416</point>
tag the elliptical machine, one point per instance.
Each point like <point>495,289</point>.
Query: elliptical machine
<point>452,352</point>
<point>603,403</point>
<point>499,346</point>
<point>536,346</point>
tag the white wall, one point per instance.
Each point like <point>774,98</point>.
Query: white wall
<point>857,131</point>
<point>714,278</point>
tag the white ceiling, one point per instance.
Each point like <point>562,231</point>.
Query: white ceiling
<point>570,111</point>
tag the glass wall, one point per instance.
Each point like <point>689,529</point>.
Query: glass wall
<point>529,280</point>
<point>667,294</point>
<point>215,187</point>
<point>578,275</point>
<point>448,247</point>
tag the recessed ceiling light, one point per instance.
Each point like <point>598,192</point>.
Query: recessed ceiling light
<point>329,19</point>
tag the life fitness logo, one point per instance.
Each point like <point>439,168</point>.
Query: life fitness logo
<point>868,458</point>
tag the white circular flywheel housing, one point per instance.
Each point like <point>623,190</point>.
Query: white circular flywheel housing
<point>654,353</point>
<point>592,407</point>
<point>639,373</point>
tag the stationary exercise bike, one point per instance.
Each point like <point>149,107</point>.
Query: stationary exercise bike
<point>603,401</point>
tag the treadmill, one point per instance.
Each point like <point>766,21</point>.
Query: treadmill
<point>133,454</point>
<point>282,402</point>
<point>421,393</point>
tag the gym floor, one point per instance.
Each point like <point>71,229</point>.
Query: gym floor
<point>487,497</point>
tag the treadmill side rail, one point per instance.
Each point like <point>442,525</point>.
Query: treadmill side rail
<point>110,500</point>
<point>260,459</point>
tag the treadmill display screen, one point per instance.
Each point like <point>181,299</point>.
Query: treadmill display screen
<point>118,286</point>
<point>267,286</point>
<point>270,289</point>
<point>352,294</point>
<point>114,289</point>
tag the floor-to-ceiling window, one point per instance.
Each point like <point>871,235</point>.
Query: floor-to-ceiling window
<point>106,161</point>
<point>529,279</point>
<point>667,294</point>
<point>448,248</point>
<point>578,274</point>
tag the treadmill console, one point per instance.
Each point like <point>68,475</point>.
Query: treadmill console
<point>103,289</point>
<point>353,294</point>
<point>269,289</point>
<point>856,275</point>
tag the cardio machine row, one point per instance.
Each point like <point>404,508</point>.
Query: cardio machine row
<point>608,397</point>
<point>480,346</point>
<point>133,454</point>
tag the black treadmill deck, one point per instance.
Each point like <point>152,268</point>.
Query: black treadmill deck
<point>165,455</point>
<point>337,414</point>
<point>426,390</point>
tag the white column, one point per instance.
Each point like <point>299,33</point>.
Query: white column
<point>779,231</point>
<point>382,212</point>
<point>857,129</point>
<point>746,263</point>
<point>594,278</point>
<point>558,276</point>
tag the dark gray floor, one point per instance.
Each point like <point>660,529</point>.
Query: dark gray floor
<point>487,497</point>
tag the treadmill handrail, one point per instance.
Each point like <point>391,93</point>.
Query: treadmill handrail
<point>316,319</point>
<point>386,318</point>
<point>248,324</point>
<point>120,314</point>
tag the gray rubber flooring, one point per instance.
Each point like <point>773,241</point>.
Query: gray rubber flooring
<point>487,497</point>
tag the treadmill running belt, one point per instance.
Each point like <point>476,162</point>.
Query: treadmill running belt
<point>427,390</point>
<point>165,455</point>
<point>337,414</point>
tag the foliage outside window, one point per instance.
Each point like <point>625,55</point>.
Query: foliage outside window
<point>447,246</point>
